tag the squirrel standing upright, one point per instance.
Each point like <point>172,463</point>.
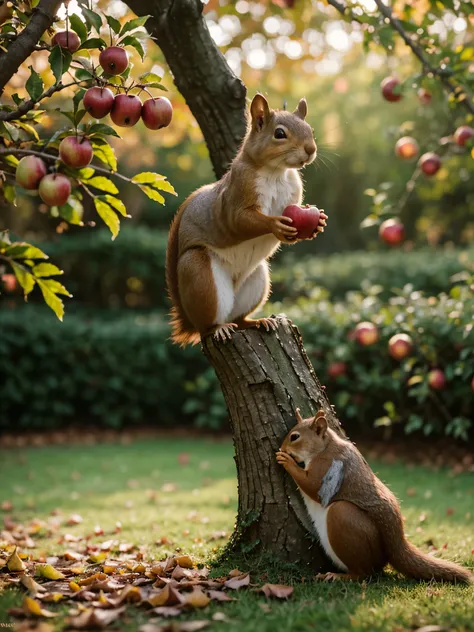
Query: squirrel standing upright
<point>356,516</point>
<point>223,233</point>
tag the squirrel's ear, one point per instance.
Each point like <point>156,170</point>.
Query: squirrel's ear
<point>299,418</point>
<point>302,109</point>
<point>259,111</point>
<point>320,423</point>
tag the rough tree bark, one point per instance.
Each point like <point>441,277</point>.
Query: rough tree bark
<point>214,94</point>
<point>24,45</point>
<point>264,378</point>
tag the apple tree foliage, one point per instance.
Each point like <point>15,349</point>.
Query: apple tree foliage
<point>23,132</point>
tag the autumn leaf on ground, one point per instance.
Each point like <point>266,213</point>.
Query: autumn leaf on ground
<point>33,607</point>
<point>74,519</point>
<point>197,598</point>
<point>168,596</point>
<point>218,595</point>
<point>94,618</point>
<point>31,586</point>
<point>184,561</point>
<point>166,611</point>
<point>277,590</point>
<point>48,572</point>
<point>14,562</point>
<point>238,582</point>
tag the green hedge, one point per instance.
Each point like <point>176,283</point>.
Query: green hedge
<point>123,370</point>
<point>130,272</point>
<point>428,270</point>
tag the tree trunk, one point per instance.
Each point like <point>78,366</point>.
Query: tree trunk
<point>265,377</point>
<point>214,94</point>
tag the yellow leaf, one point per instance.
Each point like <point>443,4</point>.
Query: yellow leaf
<point>48,571</point>
<point>30,606</point>
<point>184,561</point>
<point>14,562</point>
<point>75,587</point>
<point>31,586</point>
<point>197,599</point>
<point>98,558</point>
<point>54,597</point>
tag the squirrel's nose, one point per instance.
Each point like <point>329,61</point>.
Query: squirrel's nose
<point>310,148</point>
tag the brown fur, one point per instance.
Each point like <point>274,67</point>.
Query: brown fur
<point>317,445</point>
<point>227,213</point>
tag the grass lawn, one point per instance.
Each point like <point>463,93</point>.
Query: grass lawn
<point>182,493</point>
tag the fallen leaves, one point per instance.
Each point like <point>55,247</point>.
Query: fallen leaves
<point>277,591</point>
<point>94,618</point>
<point>14,562</point>
<point>48,572</point>
<point>237,582</point>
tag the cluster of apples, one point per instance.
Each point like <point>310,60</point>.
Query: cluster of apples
<point>32,174</point>
<point>400,346</point>
<point>125,109</point>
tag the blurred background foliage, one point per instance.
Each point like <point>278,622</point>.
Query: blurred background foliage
<point>110,362</point>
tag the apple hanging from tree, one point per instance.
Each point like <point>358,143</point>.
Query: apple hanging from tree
<point>430,163</point>
<point>98,101</point>
<point>337,369</point>
<point>400,346</point>
<point>29,172</point>
<point>390,87</point>
<point>436,379</point>
<point>126,110</point>
<point>54,189</point>
<point>67,40</point>
<point>157,113</point>
<point>463,134</point>
<point>406,148</point>
<point>9,282</point>
<point>392,232</point>
<point>75,151</point>
<point>114,60</point>
<point>366,333</point>
<point>305,219</point>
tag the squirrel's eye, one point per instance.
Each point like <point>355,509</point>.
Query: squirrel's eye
<point>294,436</point>
<point>280,133</point>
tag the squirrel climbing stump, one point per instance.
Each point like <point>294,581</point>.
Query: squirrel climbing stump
<point>265,377</point>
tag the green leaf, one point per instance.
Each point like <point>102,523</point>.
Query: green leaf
<point>22,250</point>
<point>46,270</point>
<point>86,64</point>
<point>77,25</point>
<point>117,204</point>
<point>11,160</point>
<point>80,114</point>
<point>101,128</point>
<point>34,85</point>
<point>12,130</point>
<point>153,194</point>
<point>51,299</point>
<point>108,215</point>
<point>29,129</point>
<point>9,193</point>
<point>94,42</point>
<point>86,172</point>
<point>92,19</point>
<point>149,77</point>
<point>59,60</point>
<point>25,279</point>
<point>147,177</point>
<point>131,25</point>
<point>113,23</point>
<point>78,98</point>
<point>137,45</point>
<point>56,287</point>
<point>72,211</point>
<point>105,154</point>
<point>17,99</point>
<point>103,184</point>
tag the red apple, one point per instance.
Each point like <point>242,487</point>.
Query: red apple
<point>305,219</point>
<point>337,369</point>
<point>424,96</point>
<point>406,148</point>
<point>463,134</point>
<point>54,189</point>
<point>9,282</point>
<point>430,163</point>
<point>392,232</point>
<point>366,333</point>
<point>76,151</point>
<point>98,101</point>
<point>388,85</point>
<point>126,110</point>
<point>157,113</point>
<point>400,346</point>
<point>436,379</point>
<point>29,172</point>
<point>114,60</point>
<point>68,40</point>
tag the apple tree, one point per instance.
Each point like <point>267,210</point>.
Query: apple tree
<point>88,60</point>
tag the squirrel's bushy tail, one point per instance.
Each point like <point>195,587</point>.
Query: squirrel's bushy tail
<point>183,332</point>
<point>402,555</point>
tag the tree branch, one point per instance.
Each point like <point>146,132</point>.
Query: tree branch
<point>214,94</point>
<point>26,106</point>
<point>26,42</point>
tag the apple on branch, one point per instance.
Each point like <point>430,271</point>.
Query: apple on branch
<point>76,151</point>
<point>308,220</point>
<point>392,232</point>
<point>400,346</point>
<point>54,189</point>
<point>157,113</point>
<point>68,40</point>
<point>126,110</point>
<point>29,172</point>
<point>114,60</point>
<point>366,333</point>
<point>98,101</point>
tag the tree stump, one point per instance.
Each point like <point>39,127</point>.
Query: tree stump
<point>265,376</point>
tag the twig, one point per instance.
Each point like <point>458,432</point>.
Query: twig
<point>26,106</point>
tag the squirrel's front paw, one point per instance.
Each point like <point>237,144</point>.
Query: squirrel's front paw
<point>283,458</point>
<point>321,224</point>
<point>282,229</point>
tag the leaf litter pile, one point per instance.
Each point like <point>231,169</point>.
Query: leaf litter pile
<point>97,581</point>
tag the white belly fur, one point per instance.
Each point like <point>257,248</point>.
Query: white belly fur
<point>318,515</point>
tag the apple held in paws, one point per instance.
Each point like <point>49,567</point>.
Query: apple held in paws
<point>305,219</point>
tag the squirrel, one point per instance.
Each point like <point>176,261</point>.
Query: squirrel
<point>223,234</point>
<point>357,518</point>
